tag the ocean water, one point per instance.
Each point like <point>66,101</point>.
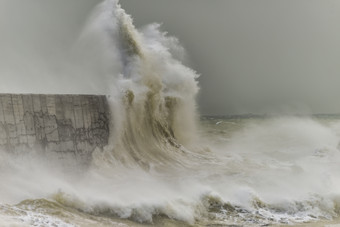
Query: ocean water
<point>165,165</point>
<point>246,171</point>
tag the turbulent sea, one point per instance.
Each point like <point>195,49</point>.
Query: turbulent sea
<point>166,166</point>
<point>246,171</point>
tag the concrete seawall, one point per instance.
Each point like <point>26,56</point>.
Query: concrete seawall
<point>55,123</point>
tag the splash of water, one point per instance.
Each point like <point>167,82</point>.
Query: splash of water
<point>156,98</point>
<point>269,172</point>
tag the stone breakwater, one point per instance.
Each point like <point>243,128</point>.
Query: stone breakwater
<point>76,124</point>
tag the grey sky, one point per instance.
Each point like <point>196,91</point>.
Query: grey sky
<point>34,38</point>
<point>256,55</point>
<point>253,55</point>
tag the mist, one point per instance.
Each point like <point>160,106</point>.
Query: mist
<point>253,57</point>
<point>38,41</point>
<point>141,155</point>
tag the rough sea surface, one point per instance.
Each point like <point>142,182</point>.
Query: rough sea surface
<point>164,166</point>
<point>247,171</point>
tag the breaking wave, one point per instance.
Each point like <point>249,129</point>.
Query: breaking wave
<point>159,166</point>
<point>153,102</point>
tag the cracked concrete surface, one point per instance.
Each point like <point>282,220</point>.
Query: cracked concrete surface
<point>55,123</point>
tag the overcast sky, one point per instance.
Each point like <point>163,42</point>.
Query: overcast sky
<point>254,56</point>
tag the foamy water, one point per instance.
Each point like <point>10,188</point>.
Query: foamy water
<point>163,165</point>
<point>249,172</point>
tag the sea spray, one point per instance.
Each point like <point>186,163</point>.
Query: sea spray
<point>153,91</point>
<point>242,171</point>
